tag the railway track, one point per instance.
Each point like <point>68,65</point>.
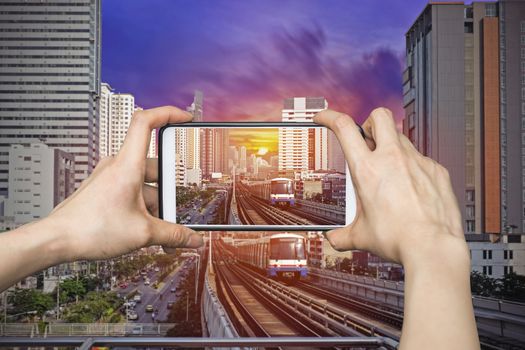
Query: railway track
<point>254,313</point>
<point>375,311</point>
<point>253,210</point>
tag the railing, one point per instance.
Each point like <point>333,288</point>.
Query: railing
<point>86,343</point>
<point>107,329</point>
<point>19,329</point>
<point>218,323</point>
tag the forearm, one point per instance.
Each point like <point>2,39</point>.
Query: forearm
<point>438,304</point>
<point>29,249</point>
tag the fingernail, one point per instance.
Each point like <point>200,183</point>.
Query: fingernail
<point>195,241</point>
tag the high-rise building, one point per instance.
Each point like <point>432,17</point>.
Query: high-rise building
<point>197,106</point>
<point>464,100</point>
<point>242,159</point>
<point>152,149</point>
<point>180,156</point>
<point>50,79</point>
<point>220,150</point>
<point>193,140</point>
<point>116,113</point>
<point>121,112</point>
<point>106,91</point>
<point>299,148</point>
<point>40,177</point>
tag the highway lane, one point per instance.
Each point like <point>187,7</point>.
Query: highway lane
<point>151,296</point>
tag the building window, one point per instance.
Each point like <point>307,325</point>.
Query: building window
<point>487,270</point>
<point>470,211</point>
<point>470,196</point>
<point>469,12</point>
<point>471,226</point>
<point>487,254</point>
<point>522,25</point>
<point>490,10</point>
<point>469,27</point>
<point>507,270</point>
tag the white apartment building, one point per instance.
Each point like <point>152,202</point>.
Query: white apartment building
<point>180,149</point>
<point>121,112</point>
<point>116,112</point>
<point>106,91</point>
<point>300,148</point>
<point>152,150</point>
<point>497,259</point>
<point>40,177</point>
<point>50,79</point>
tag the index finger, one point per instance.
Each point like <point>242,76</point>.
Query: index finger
<point>137,140</point>
<point>347,132</point>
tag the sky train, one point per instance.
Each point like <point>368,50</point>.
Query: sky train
<point>277,191</point>
<point>281,255</point>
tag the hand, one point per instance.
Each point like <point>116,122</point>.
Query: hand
<point>406,206</point>
<point>114,211</point>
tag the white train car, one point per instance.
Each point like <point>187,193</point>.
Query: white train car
<point>277,191</point>
<point>281,255</point>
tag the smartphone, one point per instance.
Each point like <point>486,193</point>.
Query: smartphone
<point>254,176</point>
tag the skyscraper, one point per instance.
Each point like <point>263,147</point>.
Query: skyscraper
<point>50,80</point>
<point>463,107</point>
<point>193,140</point>
<point>104,119</point>
<point>299,148</point>
<point>116,112</point>
<point>242,159</point>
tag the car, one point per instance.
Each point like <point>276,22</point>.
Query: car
<point>173,290</point>
<point>123,285</point>
<point>132,315</point>
<point>170,304</point>
<point>137,298</point>
<point>149,308</point>
<point>146,282</point>
<point>157,269</point>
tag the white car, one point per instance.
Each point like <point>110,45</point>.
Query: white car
<point>137,298</point>
<point>132,315</point>
<point>146,282</point>
<point>157,269</point>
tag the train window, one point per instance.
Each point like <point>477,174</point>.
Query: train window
<point>282,187</point>
<point>287,248</point>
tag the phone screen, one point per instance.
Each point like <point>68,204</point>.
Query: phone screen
<point>261,176</point>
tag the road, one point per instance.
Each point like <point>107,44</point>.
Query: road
<point>151,296</point>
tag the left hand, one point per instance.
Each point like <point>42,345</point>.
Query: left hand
<point>114,211</point>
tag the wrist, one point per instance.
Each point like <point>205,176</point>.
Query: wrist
<point>50,241</point>
<point>437,254</point>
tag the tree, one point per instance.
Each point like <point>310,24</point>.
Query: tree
<point>71,288</point>
<point>512,287</point>
<point>27,300</point>
<point>481,284</point>
<point>96,306</point>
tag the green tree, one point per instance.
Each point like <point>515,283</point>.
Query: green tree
<point>71,288</point>
<point>512,287</point>
<point>482,285</point>
<point>96,306</point>
<point>26,300</point>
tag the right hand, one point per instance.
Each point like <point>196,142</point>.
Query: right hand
<point>406,208</point>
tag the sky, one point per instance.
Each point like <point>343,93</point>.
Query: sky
<point>247,56</point>
<point>264,142</point>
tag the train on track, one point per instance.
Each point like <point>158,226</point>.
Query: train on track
<point>281,255</point>
<point>276,191</point>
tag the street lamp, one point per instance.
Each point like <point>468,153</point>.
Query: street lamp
<point>197,270</point>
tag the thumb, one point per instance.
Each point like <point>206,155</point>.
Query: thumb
<point>171,235</point>
<point>345,238</point>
